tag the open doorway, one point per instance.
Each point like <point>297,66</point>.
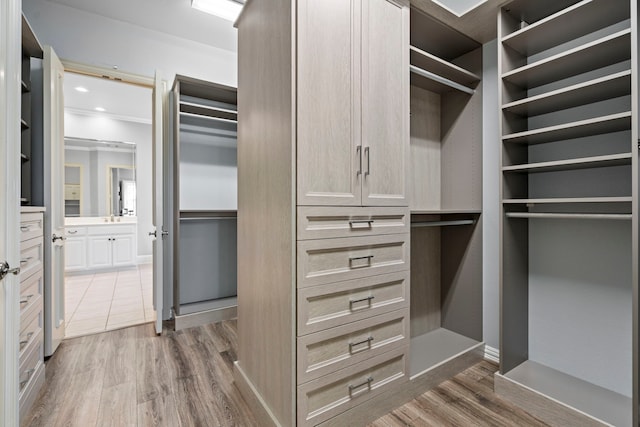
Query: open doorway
<point>107,204</point>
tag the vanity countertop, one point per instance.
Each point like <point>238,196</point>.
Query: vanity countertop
<point>100,220</point>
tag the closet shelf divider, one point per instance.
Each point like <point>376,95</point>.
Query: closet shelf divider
<point>572,164</point>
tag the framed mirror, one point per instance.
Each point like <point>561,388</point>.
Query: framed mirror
<point>100,178</point>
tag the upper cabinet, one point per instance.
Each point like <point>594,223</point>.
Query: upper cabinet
<point>352,103</point>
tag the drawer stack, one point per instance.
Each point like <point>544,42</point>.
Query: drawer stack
<point>353,306</point>
<point>31,362</point>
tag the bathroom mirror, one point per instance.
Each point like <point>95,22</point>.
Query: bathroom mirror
<point>100,178</point>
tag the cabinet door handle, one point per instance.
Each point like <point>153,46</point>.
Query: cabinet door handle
<point>355,344</point>
<point>355,301</point>
<point>368,154</point>
<point>359,154</point>
<point>367,382</point>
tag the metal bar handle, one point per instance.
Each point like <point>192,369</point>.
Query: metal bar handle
<point>359,154</point>
<point>361,221</point>
<point>365,341</point>
<point>355,301</point>
<point>369,257</point>
<point>26,300</point>
<point>368,154</point>
<point>25,227</point>
<point>25,260</point>
<point>72,231</point>
<point>367,382</point>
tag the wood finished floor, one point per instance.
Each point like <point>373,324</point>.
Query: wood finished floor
<point>131,377</point>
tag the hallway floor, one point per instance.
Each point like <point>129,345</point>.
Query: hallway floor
<point>99,302</point>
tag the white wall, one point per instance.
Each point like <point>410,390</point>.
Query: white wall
<point>106,128</point>
<point>93,39</point>
<point>490,196</point>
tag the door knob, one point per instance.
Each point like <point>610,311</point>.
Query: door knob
<point>153,233</point>
<point>5,269</point>
<point>56,238</point>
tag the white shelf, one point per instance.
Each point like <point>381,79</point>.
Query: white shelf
<point>572,164</point>
<point>434,82</point>
<point>435,347</point>
<point>598,402</point>
<point>549,215</point>
<point>608,87</point>
<point>596,126</point>
<point>208,111</point>
<point>446,212</point>
<point>575,21</point>
<point>568,200</point>
<point>439,66</point>
<point>605,51</point>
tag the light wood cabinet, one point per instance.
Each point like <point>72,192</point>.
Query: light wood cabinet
<point>353,105</point>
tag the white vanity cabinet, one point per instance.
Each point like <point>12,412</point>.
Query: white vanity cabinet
<point>100,246</point>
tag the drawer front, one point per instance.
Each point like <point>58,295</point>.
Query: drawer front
<point>327,351</point>
<point>335,260</point>
<point>31,293</point>
<point>30,332</point>
<point>71,231</point>
<point>326,306</point>
<point>110,230</point>
<point>328,396</point>
<point>29,363</point>
<point>31,225</point>
<point>31,255</point>
<point>327,222</point>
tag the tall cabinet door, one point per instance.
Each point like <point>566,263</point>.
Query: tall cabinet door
<point>328,94</point>
<point>385,103</point>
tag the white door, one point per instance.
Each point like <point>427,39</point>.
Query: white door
<point>10,55</point>
<point>158,155</point>
<point>53,129</point>
<point>100,252</point>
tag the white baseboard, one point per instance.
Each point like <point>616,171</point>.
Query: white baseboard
<point>145,259</point>
<point>492,354</point>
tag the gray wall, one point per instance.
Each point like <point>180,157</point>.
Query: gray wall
<point>491,195</point>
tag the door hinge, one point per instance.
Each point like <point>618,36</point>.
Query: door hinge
<point>5,269</point>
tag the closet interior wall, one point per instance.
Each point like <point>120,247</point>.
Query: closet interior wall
<point>569,210</point>
<point>446,193</point>
<point>204,186</point>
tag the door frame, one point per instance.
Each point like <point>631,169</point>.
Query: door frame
<point>10,104</point>
<point>153,83</point>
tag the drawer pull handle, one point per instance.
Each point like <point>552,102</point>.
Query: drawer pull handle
<point>25,227</point>
<point>28,373</point>
<point>354,344</point>
<point>355,301</point>
<point>358,258</point>
<point>367,382</point>
<point>25,260</point>
<point>23,343</point>
<point>72,231</point>
<point>26,300</point>
<point>369,222</point>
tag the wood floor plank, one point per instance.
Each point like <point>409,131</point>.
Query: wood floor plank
<point>118,406</point>
<point>81,400</point>
<point>151,367</point>
<point>120,364</point>
<point>160,411</point>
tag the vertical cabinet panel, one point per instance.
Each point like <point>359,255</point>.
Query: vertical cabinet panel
<point>122,247</point>
<point>99,252</point>
<point>385,103</point>
<point>328,114</point>
<point>75,251</point>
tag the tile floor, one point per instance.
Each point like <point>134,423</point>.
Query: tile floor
<point>101,302</point>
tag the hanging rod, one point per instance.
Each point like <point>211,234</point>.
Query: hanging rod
<point>439,79</point>
<point>203,218</point>
<point>201,116</point>
<point>443,223</point>
<point>549,215</point>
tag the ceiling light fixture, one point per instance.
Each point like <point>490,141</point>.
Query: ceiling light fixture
<point>82,89</point>
<point>225,9</point>
<point>100,109</point>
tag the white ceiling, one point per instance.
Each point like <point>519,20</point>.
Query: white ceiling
<point>120,100</point>
<point>175,17</point>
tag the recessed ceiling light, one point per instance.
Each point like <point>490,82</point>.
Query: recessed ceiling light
<point>82,89</point>
<point>225,9</point>
<point>100,109</point>
<point>459,7</point>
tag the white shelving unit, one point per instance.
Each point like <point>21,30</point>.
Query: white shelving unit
<point>569,205</point>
